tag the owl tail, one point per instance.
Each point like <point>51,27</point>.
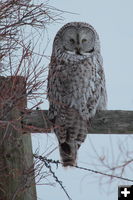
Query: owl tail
<point>68,152</point>
<point>71,133</point>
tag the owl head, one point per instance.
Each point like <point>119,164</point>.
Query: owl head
<point>78,39</point>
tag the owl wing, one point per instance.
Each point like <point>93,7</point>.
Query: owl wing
<point>102,103</point>
<point>54,90</point>
<point>97,101</point>
<point>51,92</point>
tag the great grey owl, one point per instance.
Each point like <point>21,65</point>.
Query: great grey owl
<point>76,86</point>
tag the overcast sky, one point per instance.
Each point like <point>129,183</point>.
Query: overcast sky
<point>113,21</point>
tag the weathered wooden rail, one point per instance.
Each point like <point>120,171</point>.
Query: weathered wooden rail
<point>105,122</point>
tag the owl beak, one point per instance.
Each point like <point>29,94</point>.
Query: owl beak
<point>77,51</point>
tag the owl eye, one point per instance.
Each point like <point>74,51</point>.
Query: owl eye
<point>72,40</point>
<point>84,40</point>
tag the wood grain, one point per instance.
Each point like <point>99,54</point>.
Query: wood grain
<point>16,157</point>
<point>105,122</point>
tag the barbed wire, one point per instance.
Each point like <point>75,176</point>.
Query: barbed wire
<point>57,162</point>
<point>48,163</point>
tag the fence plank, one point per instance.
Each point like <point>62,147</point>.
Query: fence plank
<point>105,122</point>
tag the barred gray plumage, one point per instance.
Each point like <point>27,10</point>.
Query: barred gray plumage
<point>76,86</point>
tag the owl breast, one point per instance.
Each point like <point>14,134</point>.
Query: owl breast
<point>78,87</point>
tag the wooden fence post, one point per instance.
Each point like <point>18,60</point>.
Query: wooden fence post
<point>17,179</point>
